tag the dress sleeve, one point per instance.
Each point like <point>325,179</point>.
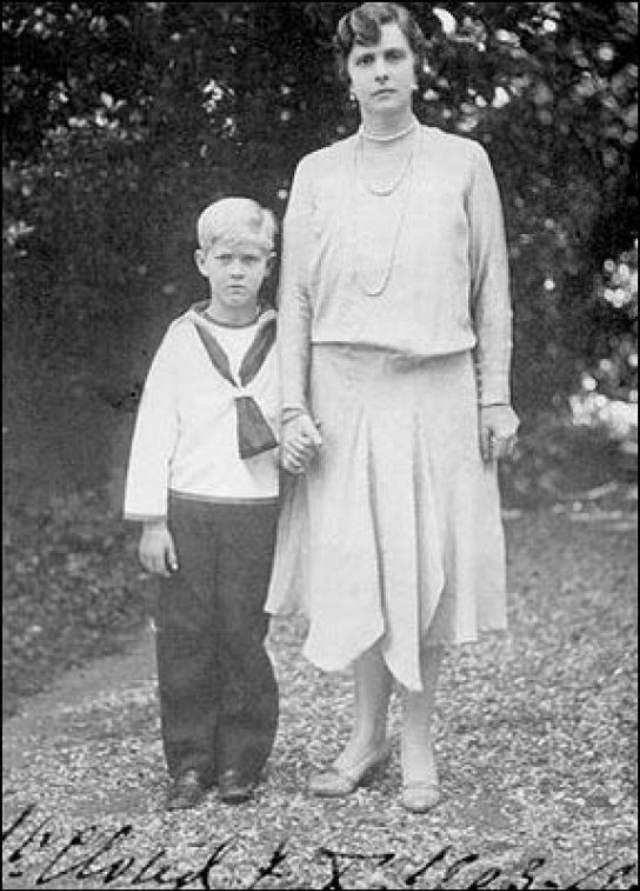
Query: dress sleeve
<point>294,316</point>
<point>490,298</point>
<point>154,439</point>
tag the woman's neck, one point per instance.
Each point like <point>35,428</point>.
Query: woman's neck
<point>387,126</point>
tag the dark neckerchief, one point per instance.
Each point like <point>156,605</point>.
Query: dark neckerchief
<point>254,433</point>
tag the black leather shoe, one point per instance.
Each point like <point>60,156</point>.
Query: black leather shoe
<point>188,790</point>
<point>233,789</point>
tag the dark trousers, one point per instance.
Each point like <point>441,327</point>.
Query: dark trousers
<point>218,693</point>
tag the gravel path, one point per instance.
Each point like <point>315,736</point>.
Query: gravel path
<point>536,746</point>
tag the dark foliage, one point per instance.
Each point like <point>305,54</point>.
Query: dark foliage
<point>72,590</point>
<point>121,120</point>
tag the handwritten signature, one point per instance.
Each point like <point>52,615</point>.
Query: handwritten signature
<point>158,871</point>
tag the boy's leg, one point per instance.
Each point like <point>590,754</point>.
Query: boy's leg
<point>249,711</point>
<point>187,644</point>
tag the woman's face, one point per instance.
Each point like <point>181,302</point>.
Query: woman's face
<point>383,74</point>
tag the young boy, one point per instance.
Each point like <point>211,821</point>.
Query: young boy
<point>203,480</point>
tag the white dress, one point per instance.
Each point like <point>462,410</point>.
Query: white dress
<point>394,534</point>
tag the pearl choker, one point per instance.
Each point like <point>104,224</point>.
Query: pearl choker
<point>390,138</point>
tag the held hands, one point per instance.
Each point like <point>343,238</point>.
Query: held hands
<point>498,427</point>
<point>300,442</point>
<point>156,550</point>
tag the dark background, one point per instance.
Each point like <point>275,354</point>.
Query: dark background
<point>122,120</point>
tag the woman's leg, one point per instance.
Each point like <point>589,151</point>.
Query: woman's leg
<point>372,689</point>
<point>366,747</point>
<point>418,761</point>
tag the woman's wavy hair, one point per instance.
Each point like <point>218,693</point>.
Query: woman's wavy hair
<point>362,26</point>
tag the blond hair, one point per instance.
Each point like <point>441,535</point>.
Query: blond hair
<point>231,218</point>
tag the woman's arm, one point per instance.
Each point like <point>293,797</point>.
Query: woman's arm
<point>294,310</point>
<point>491,310</point>
<point>490,299</point>
<point>299,436</point>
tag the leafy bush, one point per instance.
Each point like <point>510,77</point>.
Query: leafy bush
<point>122,120</point>
<point>71,589</point>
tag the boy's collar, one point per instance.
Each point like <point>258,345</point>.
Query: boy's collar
<point>263,316</point>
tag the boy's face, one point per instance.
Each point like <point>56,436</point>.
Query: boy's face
<point>236,269</point>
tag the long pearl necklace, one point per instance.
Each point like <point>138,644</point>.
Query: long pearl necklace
<point>376,289</point>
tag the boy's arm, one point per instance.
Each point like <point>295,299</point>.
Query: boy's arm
<point>157,551</point>
<point>153,443</point>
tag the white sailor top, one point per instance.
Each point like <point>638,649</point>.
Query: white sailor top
<point>188,437</point>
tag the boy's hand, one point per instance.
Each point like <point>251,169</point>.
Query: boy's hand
<point>498,428</point>
<point>156,550</point>
<point>300,441</point>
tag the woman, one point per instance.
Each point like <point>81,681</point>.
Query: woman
<point>395,331</point>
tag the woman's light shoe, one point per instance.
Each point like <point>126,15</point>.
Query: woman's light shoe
<point>420,797</point>
<point>336,781</point>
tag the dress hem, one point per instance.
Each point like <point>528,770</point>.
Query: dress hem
<point>458,640</point>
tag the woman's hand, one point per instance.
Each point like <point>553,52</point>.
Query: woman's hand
<point>299,443</point>
<point>498,428</point>
<point>157,550</point>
